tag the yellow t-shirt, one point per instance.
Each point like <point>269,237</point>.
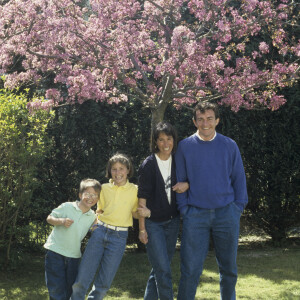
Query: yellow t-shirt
<point>118,203</point>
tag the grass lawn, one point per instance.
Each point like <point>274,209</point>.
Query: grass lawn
<point>264,273</point>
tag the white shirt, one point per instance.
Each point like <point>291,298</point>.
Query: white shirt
<point>165,170</point>
<point>203,139</point>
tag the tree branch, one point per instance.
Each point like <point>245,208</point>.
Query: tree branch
<point>133,60</point>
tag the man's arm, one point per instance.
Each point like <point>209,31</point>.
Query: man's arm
<point>238,178</point>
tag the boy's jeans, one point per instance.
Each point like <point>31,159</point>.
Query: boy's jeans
<point>198,224</point>
<point>100,262</point>
<point>60,274</point>
<point>162,238</point>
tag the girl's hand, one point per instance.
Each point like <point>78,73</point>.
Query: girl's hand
<point>143,211</point>
<point>143,236</point>
<point>180,187</point>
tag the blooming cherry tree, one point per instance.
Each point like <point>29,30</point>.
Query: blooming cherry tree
<point>239,53</point>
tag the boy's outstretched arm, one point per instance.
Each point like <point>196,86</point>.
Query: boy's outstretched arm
<point>59,221</point>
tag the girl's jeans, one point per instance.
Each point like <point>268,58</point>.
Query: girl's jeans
<point>100,262</point>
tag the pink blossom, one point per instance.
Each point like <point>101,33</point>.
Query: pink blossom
<point>264,48</point>
<point>93,51</point>
<point>241,47</point>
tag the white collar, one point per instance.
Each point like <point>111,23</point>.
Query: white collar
<point>197,134</point>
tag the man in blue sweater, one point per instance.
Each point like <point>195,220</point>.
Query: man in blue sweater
<point>212,164</point>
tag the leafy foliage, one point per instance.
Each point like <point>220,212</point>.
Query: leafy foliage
<point>23,146</point>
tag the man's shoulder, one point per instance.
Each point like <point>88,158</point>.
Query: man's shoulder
<point>190,139</point>
<point>225,139</point>
<point>227,142</point>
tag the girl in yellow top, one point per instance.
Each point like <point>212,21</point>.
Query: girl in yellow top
<point>103,254</point>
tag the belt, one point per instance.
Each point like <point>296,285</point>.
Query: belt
<point>117,228</point>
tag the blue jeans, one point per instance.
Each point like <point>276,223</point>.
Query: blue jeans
<point>60,274</point>
<point>100,262</point>
<point>162,238</point>
<point>198,224</point>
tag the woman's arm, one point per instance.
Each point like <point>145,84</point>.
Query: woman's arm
<point>143,236</point>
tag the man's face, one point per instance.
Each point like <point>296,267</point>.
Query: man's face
<point>206,124</point>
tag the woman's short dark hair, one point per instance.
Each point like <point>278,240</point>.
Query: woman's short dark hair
<point>204,106</point>
<point>167,129</point>
<point>122,159</point>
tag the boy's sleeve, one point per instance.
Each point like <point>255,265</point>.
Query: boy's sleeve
<point>59,212</point>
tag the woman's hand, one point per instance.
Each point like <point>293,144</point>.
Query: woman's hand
<point>143,211</point>
<point>180,187</point>
<point>143,236</point>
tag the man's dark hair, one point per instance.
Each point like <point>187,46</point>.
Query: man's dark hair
<point>204,106</point>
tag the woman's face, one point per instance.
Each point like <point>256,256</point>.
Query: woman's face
<point>165,144</point>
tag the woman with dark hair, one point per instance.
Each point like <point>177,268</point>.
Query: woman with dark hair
<point>158,230</point>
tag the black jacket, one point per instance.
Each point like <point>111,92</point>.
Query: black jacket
<point>151,186</point>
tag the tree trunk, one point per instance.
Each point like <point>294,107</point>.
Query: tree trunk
<point>158,114</point>
<point>158,111</point>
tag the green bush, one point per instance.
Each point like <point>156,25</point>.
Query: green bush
<point>23,145</point>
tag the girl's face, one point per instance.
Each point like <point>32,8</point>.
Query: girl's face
<point>119,173</point>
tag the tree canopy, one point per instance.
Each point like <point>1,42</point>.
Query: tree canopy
<point>239,53</point>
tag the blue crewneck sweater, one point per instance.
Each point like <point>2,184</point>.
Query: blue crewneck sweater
<point>214,170</point>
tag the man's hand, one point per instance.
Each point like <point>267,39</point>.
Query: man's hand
<point>180,187</point>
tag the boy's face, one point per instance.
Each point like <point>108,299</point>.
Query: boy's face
<point>88,198</point>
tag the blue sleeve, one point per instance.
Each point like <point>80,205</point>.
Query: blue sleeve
<point>181,175</point>
<point>238,179</point>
